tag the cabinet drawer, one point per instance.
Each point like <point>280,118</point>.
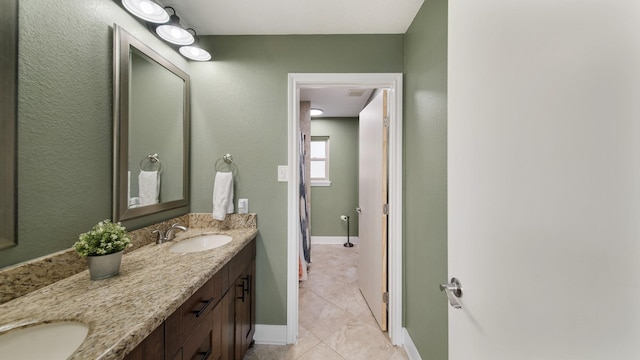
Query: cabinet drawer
<point>216,333</point>
<point>196,308</point>
<point>199,345</point>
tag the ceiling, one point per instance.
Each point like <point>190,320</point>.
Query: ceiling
<point>337,102</point>
<point>301,17</point>
<point>286,17</point>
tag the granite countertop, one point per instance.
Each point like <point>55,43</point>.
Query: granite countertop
<point>123,310</point>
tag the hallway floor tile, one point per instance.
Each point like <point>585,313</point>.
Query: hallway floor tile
<point>334,321</point>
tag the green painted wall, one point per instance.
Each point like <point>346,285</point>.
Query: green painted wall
<point>341,198</point>
<point>239,106</point>
<point>425,180</point>
<point>65,120</point>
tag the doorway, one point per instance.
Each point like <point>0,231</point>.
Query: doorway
<point>353,81</point>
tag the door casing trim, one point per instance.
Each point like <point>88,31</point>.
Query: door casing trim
<point>393,82</point>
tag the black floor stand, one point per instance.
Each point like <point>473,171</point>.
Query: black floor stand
<point>348,244</point>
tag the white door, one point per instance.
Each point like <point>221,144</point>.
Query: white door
<point>544,179</point>
<point>372,193</point>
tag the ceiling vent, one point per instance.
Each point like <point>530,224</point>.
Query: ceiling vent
<point>356,92</point>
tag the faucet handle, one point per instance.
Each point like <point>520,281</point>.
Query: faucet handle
<point>161,236</point>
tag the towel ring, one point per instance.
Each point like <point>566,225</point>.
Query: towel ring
<point>152,159</point>
<point>228,160</point>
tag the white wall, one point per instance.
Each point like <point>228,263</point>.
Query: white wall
<point>544,178</point>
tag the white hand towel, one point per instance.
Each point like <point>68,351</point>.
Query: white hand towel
<point>222,195</point>
<point>148,187</point>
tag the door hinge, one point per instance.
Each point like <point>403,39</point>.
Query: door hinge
<point>385,297</point>
<point>386,121</point>
<point>385,209</point>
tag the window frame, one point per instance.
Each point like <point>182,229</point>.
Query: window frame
<point>326,181</point>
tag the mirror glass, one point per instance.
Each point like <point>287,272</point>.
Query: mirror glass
<point>151,130</point>
<point>8,90</point>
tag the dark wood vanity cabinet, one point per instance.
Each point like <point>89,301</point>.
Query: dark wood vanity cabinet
<point>188,331</point>
<point>151,348</point>
<point>217,322</point>
<point>244,311</point>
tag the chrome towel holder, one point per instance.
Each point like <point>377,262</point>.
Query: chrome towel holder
<point>152,159</point>
<point>231,165</point>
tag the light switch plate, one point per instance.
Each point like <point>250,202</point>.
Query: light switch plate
<point>283,173</point>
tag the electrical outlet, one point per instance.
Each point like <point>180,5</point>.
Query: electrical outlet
<point>283,173</point>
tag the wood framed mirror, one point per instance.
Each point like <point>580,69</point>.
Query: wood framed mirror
<point>151,131</point>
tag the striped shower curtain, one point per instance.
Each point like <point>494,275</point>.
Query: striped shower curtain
<point>305,238</point>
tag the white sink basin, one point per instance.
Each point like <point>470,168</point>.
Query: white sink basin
<point>57,340</point>
<point>200,243</point>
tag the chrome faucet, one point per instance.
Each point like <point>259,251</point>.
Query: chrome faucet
<point>160,239</point>
<point>169,234</point>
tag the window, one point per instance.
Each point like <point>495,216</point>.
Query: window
<point>319,155</point>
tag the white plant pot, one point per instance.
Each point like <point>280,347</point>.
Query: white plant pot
<point>104,266</point>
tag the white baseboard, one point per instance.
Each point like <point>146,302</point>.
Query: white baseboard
<point>332,240</point>
<point>271,334</point>
<point>277,335</point>
<point>409,346</point>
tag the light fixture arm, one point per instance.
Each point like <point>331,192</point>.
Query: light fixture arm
<point>173,32</point>
<point>194,51</point>
<point>192,31</point>
<point>172,9</point>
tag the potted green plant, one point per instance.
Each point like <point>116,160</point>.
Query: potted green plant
<point>103,247</point>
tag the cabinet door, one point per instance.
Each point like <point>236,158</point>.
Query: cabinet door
<point>173,335</point>
<point>177,356</point>
<point>228,324</point>
<point>216,333</point>
<point>241,315</point>
<point>252,300</point>
<point>245,311</point>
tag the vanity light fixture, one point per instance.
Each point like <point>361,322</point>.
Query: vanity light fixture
<point>147,10</point>
<point>316,112</point>
<point>168,27</point>
<point>173,32</point>
<point>194,51</point>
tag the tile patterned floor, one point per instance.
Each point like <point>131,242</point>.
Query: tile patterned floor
<point>334,320</point>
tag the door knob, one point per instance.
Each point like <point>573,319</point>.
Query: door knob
<point>453,291</point>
